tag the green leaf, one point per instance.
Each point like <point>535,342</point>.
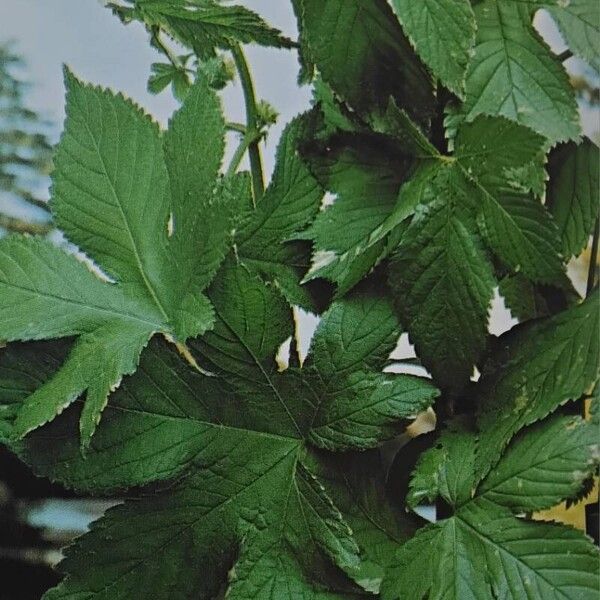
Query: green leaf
<point>253,320</point>
<point>357,334</point>
<point>513,74</point>
<point>113,193</point>
<point>537,368</point>
<point>357,482</point>
<point>440,472</point>
<point>506,163</point>
<point>443,34</point>
<point>365,173</point>
<point>364,409</point>
<point>579,23</point>
<point>546,464</point>
<point>205,26</point>
<point>484,552</point>
<point>100,191</point>
<point>573,193</point>
<point>443,281</point>
<point>244,499</point>
<point>522,298</point>
<point>289,204</point>
<point>201,211</point>
<point>361,53</point>
<point>440,273</point>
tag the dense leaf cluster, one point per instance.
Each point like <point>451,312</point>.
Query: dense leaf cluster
<point>441,159</point>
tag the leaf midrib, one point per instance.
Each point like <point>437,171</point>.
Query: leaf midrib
<point>93,307</point>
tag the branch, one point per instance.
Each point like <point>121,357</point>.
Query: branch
<point>566,55</point>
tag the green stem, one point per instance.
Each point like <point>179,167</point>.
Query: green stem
<point>164,49</point>
<point>593,260</point>
<point>239,127</point>
<point>252,125</point>
<point>244,145</point>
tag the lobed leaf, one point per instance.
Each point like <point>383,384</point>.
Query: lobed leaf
<point>112,196</point>
<point>239,495</point>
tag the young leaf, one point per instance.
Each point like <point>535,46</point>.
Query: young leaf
<point>536,369</point>
<point>443,34</point>
<point>361,53</point>
<point>573,196</point>
<point>164,74</point>
<point>244,497</point>
<point>111,198</point>
<point>513,74</point>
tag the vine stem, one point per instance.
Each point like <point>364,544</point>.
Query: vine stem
<point>253,134</point>
<point>593,260</point>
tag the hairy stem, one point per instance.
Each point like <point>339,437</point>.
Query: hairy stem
<point>591,280</point>
<point>252,125</point>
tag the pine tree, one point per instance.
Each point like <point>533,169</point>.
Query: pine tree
<point>25,152</point>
